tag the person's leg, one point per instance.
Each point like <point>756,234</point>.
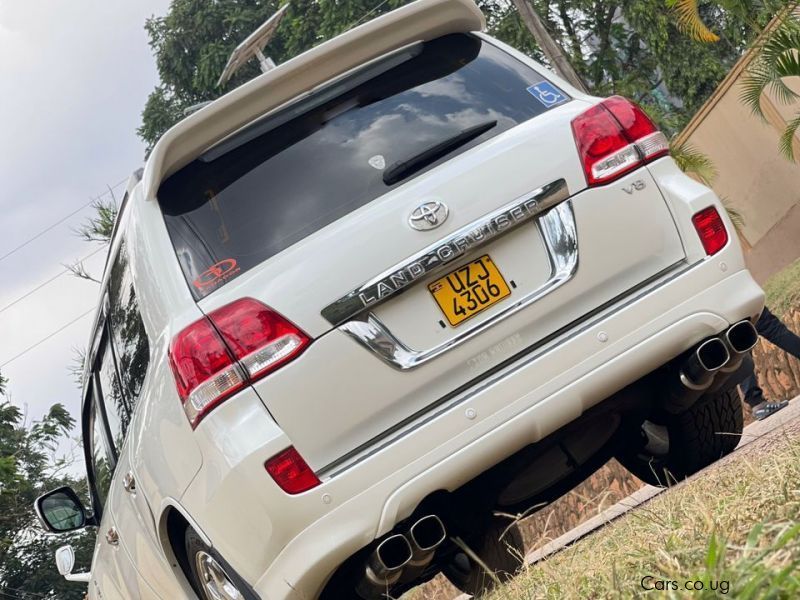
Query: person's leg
<point>754,395</point>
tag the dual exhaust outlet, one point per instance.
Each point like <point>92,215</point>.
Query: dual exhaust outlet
<point>714,359</point>
<point>401,557</point>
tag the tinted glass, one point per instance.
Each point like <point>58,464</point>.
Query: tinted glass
<point>101,465</point>
<point>118,409</point>
<point>127,328</point>
<point>62,512</point>
<point>324,156</point>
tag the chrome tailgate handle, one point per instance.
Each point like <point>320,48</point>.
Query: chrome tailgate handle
<point>560,236</point>
<point>437,256</point>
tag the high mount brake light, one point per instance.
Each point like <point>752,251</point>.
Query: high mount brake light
<point>237,344</point>
<point>711,229</point>
<point>615,137</point>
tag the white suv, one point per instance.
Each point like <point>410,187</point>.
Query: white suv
<point>360,304</point>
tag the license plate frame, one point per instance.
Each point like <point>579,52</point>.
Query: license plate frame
<point>469,290</point>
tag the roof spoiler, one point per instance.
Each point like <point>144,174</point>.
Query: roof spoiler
<point>419,21</point>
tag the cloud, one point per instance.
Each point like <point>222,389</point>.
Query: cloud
<point>76,75</point>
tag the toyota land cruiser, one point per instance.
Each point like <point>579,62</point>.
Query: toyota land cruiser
<point>401,283</point>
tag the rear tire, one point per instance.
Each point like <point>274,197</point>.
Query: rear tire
<point>209,577</point>
<point>504,556</point>
<point>707,431</point>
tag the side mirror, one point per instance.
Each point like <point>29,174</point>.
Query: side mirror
<point>65,561</point>
<point>61,510</point>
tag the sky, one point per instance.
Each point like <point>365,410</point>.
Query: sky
<point>74,78</point>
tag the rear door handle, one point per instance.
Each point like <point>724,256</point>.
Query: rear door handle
<point>112,536</point>
<point>129,483</point>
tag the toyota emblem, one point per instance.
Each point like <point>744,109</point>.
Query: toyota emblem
<point>428,215</point>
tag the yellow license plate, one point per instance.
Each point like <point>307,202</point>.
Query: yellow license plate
<point>468,290</point>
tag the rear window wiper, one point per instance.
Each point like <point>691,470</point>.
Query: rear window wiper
<point>402,169</point>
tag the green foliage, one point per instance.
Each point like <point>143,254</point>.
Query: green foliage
<point>783,289</point>
<point>692,161</point>
<point>29,466</point>
<point>628,47</point>
<point>193,41</point>
<point>777,58</point>
<point>690,22</point>
<point>100,226</point>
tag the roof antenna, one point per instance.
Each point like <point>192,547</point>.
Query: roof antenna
<point>254,46</point>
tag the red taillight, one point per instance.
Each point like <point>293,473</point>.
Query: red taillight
<point>711,229</point>
<point>205,373</point>
<point>260,339</point>
<point>291,472</point>
<point>236,344</point>
<point>615,137</point>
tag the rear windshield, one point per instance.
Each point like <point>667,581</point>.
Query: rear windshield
<point>327,154</point>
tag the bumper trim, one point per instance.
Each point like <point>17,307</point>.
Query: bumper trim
<point>506,368</point>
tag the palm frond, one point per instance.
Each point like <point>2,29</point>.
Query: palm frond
<point>693,162</point>
<point>786,142</point>
<point>756,80</point>
<point>777,56</point>
<point>689,21</point>
<point>735,216</point>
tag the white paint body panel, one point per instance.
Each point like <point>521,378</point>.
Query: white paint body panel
<point>642,279</point>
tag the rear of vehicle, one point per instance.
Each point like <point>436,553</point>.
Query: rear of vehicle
<point>406,276</point>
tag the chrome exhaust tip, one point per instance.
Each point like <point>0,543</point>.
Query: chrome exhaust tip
<point>740,339</point>
<point>742,336</point>
<point>696,375</point>
<point>426,535</point>
<point>384,567</point>
<point>709,357</point>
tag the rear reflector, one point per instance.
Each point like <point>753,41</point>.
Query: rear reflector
<point>291,472</point>
<point>218,355</point>
<point>711,229</point>
<point>615,137</point>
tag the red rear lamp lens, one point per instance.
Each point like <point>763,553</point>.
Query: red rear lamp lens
<point>632,118</point>
<point>218,355</point>
<point>615,137</point>
<point>711,229</point>
<point>291,472</point>
<point>204,371</point>
<point>260,339</point>
<point>604,150</point>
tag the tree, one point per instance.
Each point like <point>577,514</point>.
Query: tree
<point>777,58</point>
<point>628,47</point>
<point>776,52</point>
<point>551,48</point>
<point>193,40</point>
<point>29,466</point>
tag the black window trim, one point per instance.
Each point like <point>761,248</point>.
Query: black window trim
<point>105,338</point>
<point>91,411</point>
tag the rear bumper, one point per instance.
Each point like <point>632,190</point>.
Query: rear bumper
<point>288,546</point>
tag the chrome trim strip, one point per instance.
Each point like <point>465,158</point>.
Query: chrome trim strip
<point>560,236</point>
<point>433,258</point>
<point>506,369</point>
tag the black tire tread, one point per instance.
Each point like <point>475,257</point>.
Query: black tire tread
<point>503,556</point>
<point>710,429</point>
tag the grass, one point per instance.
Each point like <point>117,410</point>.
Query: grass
<point>734,529</point>
<point>783,289</point>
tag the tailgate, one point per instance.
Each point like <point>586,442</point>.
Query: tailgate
<point>411,288</point>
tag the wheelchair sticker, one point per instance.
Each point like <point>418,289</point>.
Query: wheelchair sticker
<point>548,94</point>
